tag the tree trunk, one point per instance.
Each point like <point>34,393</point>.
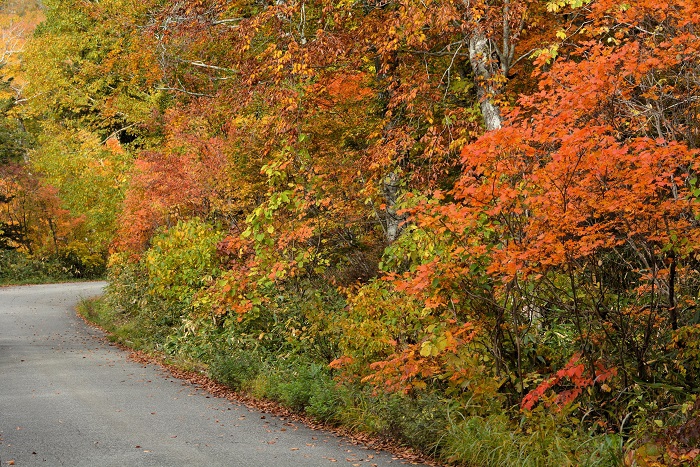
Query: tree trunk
<point>485,69</point>
<point>394,221</point>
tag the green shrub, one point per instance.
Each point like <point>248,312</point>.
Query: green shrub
<point>18,268</point>
<point>82,263</point>
<point>157,290</point>
<point>181,261</point>
<point>236,370</point>
<point>308,385</point>
<point>300,385</point>
<point>292,382</point>
<point>127,286</point>
<point>417,421</point>
<point>327,400</point>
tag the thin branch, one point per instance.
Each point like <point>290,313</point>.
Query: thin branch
<point>213,67</point>
<point>26,99</point>
<point>184,91</point>
<point>226,21</point>
<point>116,132</point>
<point>449,68</point>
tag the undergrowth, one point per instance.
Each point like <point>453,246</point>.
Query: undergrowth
<point>17,268</point>
<point>440,426</point>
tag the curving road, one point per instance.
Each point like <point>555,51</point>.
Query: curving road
<point>67,398</point>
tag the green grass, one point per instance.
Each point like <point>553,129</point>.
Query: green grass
<point>494,440</point>
<point>120,328</point>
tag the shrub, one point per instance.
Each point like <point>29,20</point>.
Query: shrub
<point>182,260</point>
<point>236,370</point>
<point>19,268</point>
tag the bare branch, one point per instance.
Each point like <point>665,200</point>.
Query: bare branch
<point>212,67</point>
<point>227,21</point>
<point>184,91</point>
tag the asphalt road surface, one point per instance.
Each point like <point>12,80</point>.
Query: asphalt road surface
<point>68,398</point>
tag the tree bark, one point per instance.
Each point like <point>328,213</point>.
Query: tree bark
<point>394,221</point>
<point>485,70</point>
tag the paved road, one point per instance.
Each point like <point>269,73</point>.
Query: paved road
<point>69,399</point>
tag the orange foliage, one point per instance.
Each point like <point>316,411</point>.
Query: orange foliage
<point>574,371</point>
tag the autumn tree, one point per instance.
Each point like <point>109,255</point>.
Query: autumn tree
<point>90,99</point>
<point>577,217</point>
<point>15,141</point>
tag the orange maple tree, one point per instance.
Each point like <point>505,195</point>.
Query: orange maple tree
<point>582,209</point>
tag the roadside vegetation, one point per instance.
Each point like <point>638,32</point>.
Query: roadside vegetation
<point>434,423</point>
<point>17,268</point>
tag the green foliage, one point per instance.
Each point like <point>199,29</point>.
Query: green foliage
<point>495,441</point>
<point>81,75</point>
<point>19,268</point>
<point>236,369</point>
<point>182,260</point>
<point>15,141</point>
<point>686,342</point>
<point>127,287</point>
<point>158,290</point>
<point>90,179</point>
<point>416,421</point>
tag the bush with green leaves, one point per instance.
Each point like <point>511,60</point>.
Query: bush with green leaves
<point>236,370</point>
<point>158,288</point>
<point>182,260</point>
<point>17,267</point>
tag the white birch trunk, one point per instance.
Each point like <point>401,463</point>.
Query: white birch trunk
<point>484,72</point>
<point>394,221</point>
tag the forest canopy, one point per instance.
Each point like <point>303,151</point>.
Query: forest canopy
<point>470,226</point>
